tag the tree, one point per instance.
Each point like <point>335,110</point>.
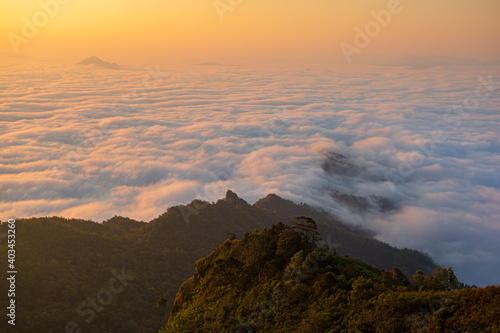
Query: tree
<point>228,269</point>
<point>445,279</point>
<point>419,279</point>
<point>307,227</point>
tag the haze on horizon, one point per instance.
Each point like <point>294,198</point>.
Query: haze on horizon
<point>248,30</point>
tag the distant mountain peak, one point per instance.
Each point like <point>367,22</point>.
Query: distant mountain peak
<point>272,196</point>
<point>90,59</point>
<point>272,201</point>
<point>95,61</point>
<point>232,197</point>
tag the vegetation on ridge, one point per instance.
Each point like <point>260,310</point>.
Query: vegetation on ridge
<point>64,263</point>
<point>279,280</point>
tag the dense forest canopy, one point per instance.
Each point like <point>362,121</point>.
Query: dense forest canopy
<point>69,268</point>
<point>279,280</point>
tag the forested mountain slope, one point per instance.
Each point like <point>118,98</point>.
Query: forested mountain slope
<point>68,268</point>
<point>278,280</point>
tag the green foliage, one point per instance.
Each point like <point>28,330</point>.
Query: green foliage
<point>345,240</point>
<point>61,262</point>
<point>308,289</point>
<point>443,279</point>
<point>307,228</point>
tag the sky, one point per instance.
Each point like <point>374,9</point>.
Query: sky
<point>247,30</point>
<point>313,79</point>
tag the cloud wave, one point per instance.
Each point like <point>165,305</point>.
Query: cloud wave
<point>91,143</point>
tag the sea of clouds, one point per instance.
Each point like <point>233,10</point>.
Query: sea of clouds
<point>86,142</point>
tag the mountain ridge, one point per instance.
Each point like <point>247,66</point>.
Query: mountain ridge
<point>61,254</point>
<point>279,280</point>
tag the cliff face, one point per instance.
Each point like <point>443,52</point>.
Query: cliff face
<point>278,281</point>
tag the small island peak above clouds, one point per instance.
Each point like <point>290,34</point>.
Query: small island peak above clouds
<point>95,61</point>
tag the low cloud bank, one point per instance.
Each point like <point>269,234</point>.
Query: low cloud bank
<point>93,143</point>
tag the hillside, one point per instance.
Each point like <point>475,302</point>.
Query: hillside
<point>65,264</point>
<point>278,280</point>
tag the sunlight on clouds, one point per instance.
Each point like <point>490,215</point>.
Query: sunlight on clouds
<point>83,142</point>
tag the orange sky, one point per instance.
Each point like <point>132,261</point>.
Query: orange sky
<point>128,30</point>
